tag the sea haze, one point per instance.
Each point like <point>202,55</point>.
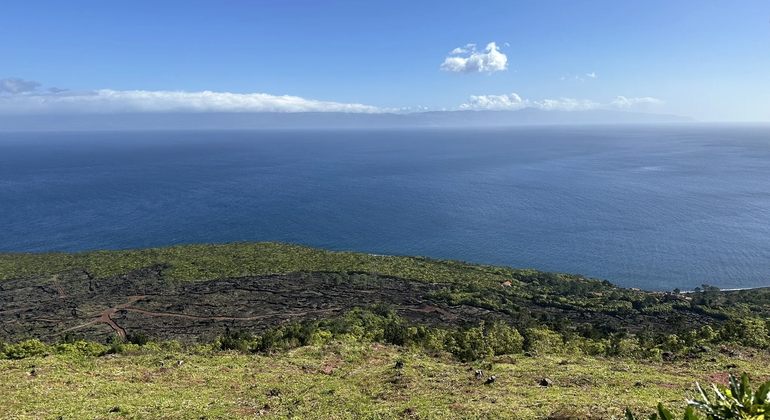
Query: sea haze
<point>655,207</point>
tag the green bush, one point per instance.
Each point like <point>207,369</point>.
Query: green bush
<point>124,348</point>
<point>542,340</point>
<point>483,341</point>
<point>468,344</point>
<point>28,348</point>
<point>502,338</point>
<point>85,348</point>
<point>727,403</point>
<point>139,338</point>
<point>396,332</point>
<point>235,340</point>
<point>753,333</point>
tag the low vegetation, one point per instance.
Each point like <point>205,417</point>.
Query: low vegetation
<point>735,401</point>
<point>346,379</point>
<point>393,337</point>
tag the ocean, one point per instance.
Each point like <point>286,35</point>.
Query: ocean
<point>654,207</point>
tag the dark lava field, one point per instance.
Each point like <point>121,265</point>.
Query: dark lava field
<point>144,301</point>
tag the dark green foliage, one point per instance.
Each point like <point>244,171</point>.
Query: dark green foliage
<point>139,338</point>
<point>468,343</point>
<point>235,340</point>
<point>297,335</point>
<point>727,403</point>
<point>396,332</point>
<point>664,414</point>
<point>71,338</point>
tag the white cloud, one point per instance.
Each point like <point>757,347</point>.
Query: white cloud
<point>514,102</point>
<point>623,102</point>
<point>511,102</point>
<point>591,75</point>
<point>491,60</point>
<point>463,50</point>
<point>113,101</point>
<point>575,78</point>
<point>568,104</point>
<point>17,85</point>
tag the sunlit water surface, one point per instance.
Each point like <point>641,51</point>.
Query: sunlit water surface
<point>655,207</point>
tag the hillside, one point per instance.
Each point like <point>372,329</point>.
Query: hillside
<point>280,331</point>
<point>345,380</point>
<point>194,292</point>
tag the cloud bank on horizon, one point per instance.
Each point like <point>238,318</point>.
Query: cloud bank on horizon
<point>513,102</point>
<point>19,96</point>
<point>15,100</point>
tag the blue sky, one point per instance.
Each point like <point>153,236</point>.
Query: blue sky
<point>707,59</point>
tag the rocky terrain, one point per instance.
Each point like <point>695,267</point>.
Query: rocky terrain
<point>147,302</point>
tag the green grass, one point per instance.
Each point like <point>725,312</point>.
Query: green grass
<point>205,262</point>
<point>346,380</point>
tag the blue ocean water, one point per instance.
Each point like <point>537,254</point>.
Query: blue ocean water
<point>656,207</point>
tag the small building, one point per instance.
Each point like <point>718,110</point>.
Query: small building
<point>506,284</point>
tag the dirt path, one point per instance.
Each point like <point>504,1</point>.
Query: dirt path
<point>105,317</point>
<point>142,301</point>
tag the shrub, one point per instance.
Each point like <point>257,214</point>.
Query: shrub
<point>623,347</point>
<point>468,344</point>
<point>71,338</point>
<point>85,348</point>
<point>503,339</point>
<point>727,403</point>
<point>296,335</point>
<point>171,346</point>
<point>123,348</point>
<point>139,338</point>
<point>542,340</point>
<point>396,332</point>
<point>235,340</point>
<point>706,333</point>
<point>320,338</point>
<point>672,343</point>
<point>28,348</point>
<point>753,333</point>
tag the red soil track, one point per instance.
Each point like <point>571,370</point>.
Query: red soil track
<point>105,317</point>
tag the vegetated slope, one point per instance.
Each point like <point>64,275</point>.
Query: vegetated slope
<point>195,291</point>
<point>206,262</point>
<point>350,380</point>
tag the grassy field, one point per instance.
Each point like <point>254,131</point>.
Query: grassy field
<point>350,380</point>
<point>205,262</point>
